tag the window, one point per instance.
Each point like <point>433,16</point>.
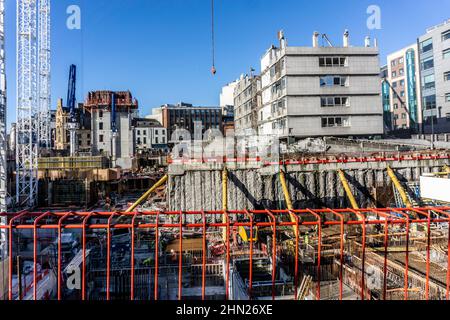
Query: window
<point>163,140</point>
<point>394,85</point>
<point>429,102</point>
<point>428,63</point>
<point>428,82</point>
<point>156,132</point>
<point>394,63</point>
<point>401,72</point>
<point>100,114</point>
<point>157,140</point>
<point>401,61</point>
<point>139,132</point>
<point>394,74</point>
<point>334,101</point>
<point>145,140</point>
<point>447,97</point>
<point>330,81</point>
<point>402,83</point>
<point>101,138</point>
<point>333,122</point>
<point>446,54</point>
<point>402,94</point>
<point>447,76</point>
<point>100,126</point>
<point>332,61</point>
<point>426,46</point>
<point>446,35</point>
<point>403,115</point>
<point>395,106</point>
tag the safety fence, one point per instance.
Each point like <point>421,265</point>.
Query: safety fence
<point>374,253</point>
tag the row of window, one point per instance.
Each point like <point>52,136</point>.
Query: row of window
<point>333,62</point>
<point>144,132</point>
<point>400,73</point>
<point>397,61</point>
<point>333,122</point>
<point>335,102</point>
<point>331,81</point>
<point>139,141</point>
<point>397,83</point>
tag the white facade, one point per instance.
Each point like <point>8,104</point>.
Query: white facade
<point>102,137</point>
<point>150,137</point>
<point>227,94</point>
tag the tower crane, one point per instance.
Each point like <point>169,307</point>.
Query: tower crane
<point>72,125</point>
<point>33,95</point>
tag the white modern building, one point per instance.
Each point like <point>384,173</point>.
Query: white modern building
<point>434,49</point>
<point>321,91</point>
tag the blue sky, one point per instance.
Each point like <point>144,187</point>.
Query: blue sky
<point>160,50</point>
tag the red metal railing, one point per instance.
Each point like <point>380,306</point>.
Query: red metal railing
<point>371,222</point>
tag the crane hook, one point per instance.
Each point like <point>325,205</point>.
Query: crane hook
<point>213,69</point>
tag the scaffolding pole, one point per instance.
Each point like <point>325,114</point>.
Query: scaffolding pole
<point>399,187</point>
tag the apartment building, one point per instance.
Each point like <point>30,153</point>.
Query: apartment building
<point>185,116</point>
<point>434,51</point>
<point>247,102</point>
<point>321,91</point>
<point>403,79</point>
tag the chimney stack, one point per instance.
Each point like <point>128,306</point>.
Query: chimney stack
<point>282,39</point>
<point>315,39</point>
<point>346,39</point>
<point>367,42</point>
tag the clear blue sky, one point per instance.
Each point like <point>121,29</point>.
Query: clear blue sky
<point>160,50</point>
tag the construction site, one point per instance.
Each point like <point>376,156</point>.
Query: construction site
<point>356,219</point>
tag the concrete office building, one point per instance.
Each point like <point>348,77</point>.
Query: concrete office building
<point>116,143</point>
<point>403,77</point>
<point>434,48</point>
<point>321,91</point>
<point>183,116</point>
<point>247,101</point>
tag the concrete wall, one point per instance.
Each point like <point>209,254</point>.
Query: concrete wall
<point>193,188</point>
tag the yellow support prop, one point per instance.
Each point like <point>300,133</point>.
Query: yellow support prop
<point>224,200</point>
<point>287,198</point>
<point>348,190</point>
<point>148,193</point>
<point>399,187</point>
<point>447,169</point>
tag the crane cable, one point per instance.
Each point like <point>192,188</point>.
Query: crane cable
<point>213,40</point>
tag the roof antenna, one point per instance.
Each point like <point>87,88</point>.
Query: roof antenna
<point>213,40</point>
